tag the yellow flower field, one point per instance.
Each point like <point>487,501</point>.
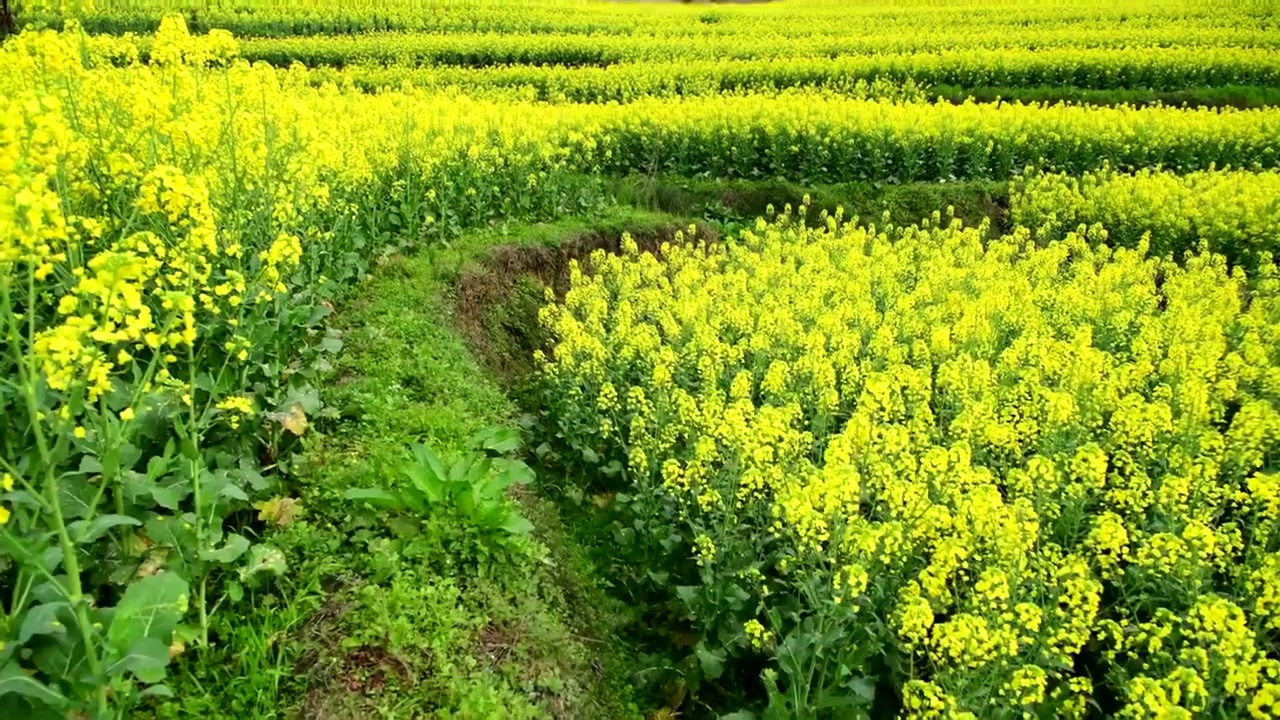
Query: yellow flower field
<point>977,458</point>
<point>1029,468</point>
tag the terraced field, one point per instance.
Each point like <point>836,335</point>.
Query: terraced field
<point>577,359</point>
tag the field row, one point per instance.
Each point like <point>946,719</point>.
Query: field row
<point>895,27</point>
<point>940,57</point>
<point>803,136</point>
<point>565,72</point>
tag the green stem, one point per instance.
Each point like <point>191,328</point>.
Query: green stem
<point>70,561</point>
<point>197,491</point>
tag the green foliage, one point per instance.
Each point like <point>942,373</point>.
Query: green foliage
<point>389,612</point>
<point>472,490</point>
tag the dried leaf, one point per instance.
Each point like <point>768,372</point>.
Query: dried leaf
<point>295,420</point>
<point>154,562</point>
<point>279,511</point>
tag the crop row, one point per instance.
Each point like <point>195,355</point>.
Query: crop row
<point>914,470</point>
<point>1236,214</point>
<point>796,135</point>
<point>972,22</point>
<point>1146,68</point>
<point>968,21</point>
<point>480,49</point>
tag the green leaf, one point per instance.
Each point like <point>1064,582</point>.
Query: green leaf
<point>740,715</point>
<point>711,661</point>
<point>330,345</point>
<point>517,524</point>
<point>85,532</point>
<point>470,470</point>
<point>864,687</point>
<point>160,691</point>
<point>229,553</point>
<point>14,680</point>
<point>49,558</point>
<point>426,481</point>
<point>263,559</point>
<point>167,492</point>
<point>497,440</point>
<point>177,535</point>
<point>146,658</point>
<point>43,620</point>
<point>510,473</point>
<point>151,607</point>
<point>375,496</point>
<point>307,397</point>
<point>687,593</point>
<point>318,313</point>
<point>427,459</point>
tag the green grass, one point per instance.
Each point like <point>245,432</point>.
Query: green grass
<point>369,625</point>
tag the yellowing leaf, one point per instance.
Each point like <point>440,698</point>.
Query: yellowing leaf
<point>294,421</point>
<point>280,511</point>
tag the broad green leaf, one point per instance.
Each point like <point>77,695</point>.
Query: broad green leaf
<point>175,534</point>
<point>49,558</point>
<point>509,473</point>
<point>13,679</point>
<point>263,559</point>
<point>517,524</point>
<point>375,496</point>
<point>43,620</point>
<point>740,715</point>
<point>307,397</point>
<point>236,546</point>
<point>458,470</point>
<point>85,532</point>
<point>65,660</point>
<point>318,313</point>
<point>77,496</point>
<point>166,491</point>
<point>711,661</point>
<point>479,472</point>
<point>426,481</point>
<point>427,458</point>
<point>499,440</point>
<point>160,691</point>
<point>151,607</point>
<point>146,658</point>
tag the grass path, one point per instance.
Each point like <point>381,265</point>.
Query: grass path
<point>368,624</point>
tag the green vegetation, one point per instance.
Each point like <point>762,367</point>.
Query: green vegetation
<point>580,359</point>
<point>378,619</point>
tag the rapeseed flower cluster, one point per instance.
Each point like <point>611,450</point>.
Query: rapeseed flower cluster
<point>973,441</point>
